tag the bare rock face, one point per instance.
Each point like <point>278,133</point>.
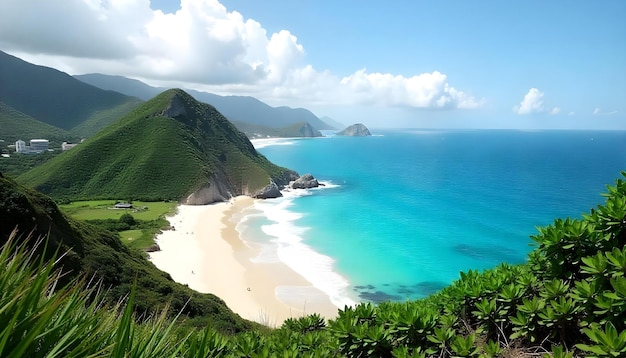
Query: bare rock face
<point>216,190</point>
<point>306,181</point>
<point>175,108</point>
<point>270,191</point>
<point>356,130</point>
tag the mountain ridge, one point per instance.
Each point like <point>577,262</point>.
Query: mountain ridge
<point>56,98</point>
<point>243,109</point>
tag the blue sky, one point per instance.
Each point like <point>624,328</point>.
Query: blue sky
<point>482,64</point>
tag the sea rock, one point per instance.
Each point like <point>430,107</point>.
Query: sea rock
<point>356,130</point>
<point>268,192</point>
<point>305,182</point>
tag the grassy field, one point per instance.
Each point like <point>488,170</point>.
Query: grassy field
<point>138,238</point>
<point>149,218</point>
<point>103,209</point>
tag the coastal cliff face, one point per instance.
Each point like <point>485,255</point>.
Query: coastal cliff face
<point>356,130</point>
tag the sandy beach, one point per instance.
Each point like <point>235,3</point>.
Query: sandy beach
<point>204,251</point>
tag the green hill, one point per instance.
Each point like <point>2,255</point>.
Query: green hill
<point>56,98</point>
<point>98,254</point>
<point>170,148</point>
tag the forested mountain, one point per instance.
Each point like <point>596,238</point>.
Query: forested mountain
<point>58,99</point>
<point>170,148</point>
<point>99,255</point>
<point>239,109</point>
<point>16,125</point>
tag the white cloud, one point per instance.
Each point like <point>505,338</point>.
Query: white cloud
<point>202,46</point>
<point>533,104</point>
<point>598,112</point>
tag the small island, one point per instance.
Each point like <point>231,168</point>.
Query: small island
<point>356,130</point>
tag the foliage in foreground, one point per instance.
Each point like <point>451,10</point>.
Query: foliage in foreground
<point>569,300</point>
<point>100,255</point>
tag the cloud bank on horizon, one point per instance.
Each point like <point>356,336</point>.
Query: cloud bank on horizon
<point>205,46</point>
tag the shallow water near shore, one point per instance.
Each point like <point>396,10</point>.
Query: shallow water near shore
<point>404,212</point>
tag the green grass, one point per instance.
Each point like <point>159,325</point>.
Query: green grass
<point>102,209</point>
<point>139,238</point>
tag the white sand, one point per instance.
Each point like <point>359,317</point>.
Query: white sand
<point>204,251</point>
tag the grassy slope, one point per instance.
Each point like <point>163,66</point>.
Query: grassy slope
<point>17,125</point>
<point>100,119</point>
<point>148,156</point>
<point>91,251</point>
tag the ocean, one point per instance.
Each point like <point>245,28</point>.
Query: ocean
<point>403,212</point>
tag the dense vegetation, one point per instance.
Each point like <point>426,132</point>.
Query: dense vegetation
<point>166,149</point>
<point>569,299</point>
<point>93,253</point>
<point>55,97</point>
<point>17,164</point>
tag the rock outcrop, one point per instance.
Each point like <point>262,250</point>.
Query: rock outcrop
<point>268,192</point>
<point>306,181</point>
<point>356,130</point>
<point>308,131</point>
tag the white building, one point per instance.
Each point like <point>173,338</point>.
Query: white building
<point>39,145</point>
<point>20,147</point>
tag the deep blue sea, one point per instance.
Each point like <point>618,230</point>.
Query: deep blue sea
<point>405,211</point>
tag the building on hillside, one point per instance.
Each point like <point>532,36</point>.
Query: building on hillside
<point>39,145</point>
<point>20,146</point>
<point>66,146</point>
<point>123,206</point>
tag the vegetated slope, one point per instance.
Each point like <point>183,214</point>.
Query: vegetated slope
<point>16,125</point>
<point>87,250</point>
<point>167,149</point>
<point>52,96</point>
<point>568,301</point>
<point>240,109</point>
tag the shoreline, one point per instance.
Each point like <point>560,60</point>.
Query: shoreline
<point>204,251</point>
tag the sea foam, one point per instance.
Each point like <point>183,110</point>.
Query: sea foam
<point>285,243</point>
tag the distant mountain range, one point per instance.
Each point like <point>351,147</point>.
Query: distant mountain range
<point>238,109</point>
<point>80,107</point>
<point>56,98</point>
<point>172,147</point>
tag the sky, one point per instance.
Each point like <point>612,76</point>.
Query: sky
<point>423,64</point>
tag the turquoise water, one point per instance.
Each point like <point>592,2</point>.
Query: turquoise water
<point>404,212</point>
